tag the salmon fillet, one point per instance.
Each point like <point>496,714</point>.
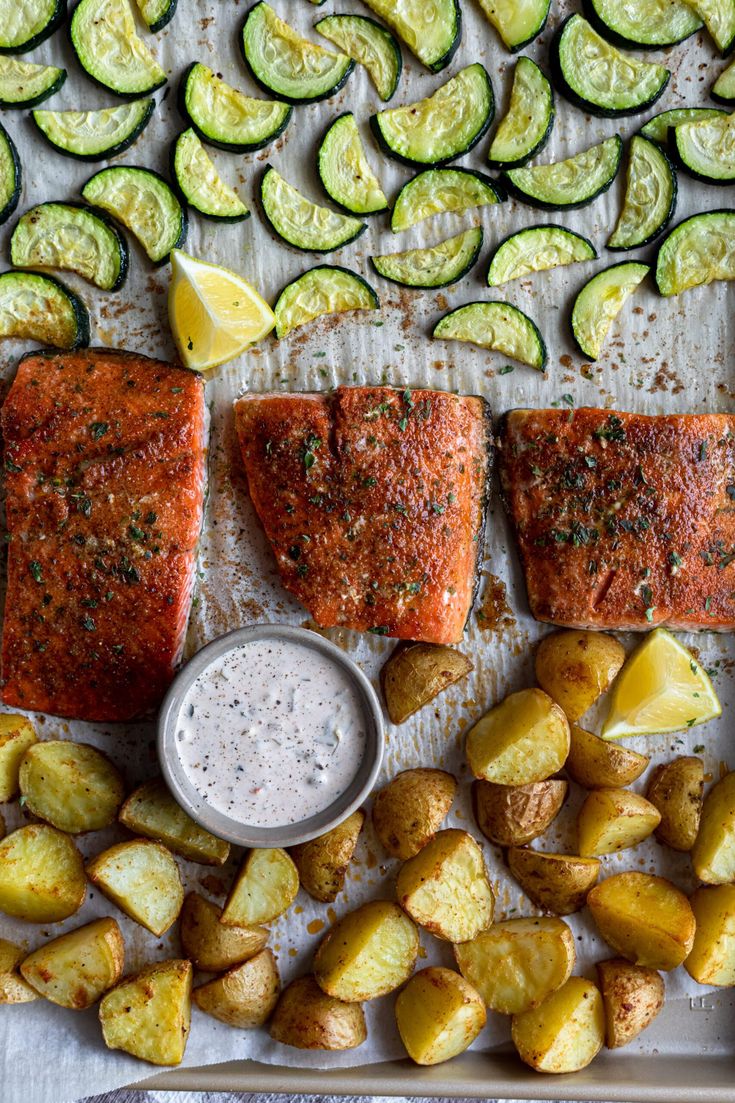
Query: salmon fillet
<point>373,500</point>
<point>623,520</point>
<point>104,476</point>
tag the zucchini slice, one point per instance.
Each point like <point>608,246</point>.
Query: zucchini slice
<point>600,301</point>
<point>200,184</point>
<point>11,176</point>
<point>109,50</point>
<point>642,23</point>
<point>596,77</point>
<point>437,266</point>
<point>144,203</point>
<point>24,24</point>
<point>95,135</point>
<point>41,308</point>
<point>157,13</point>
<point>23,84</point>
<point>571,183</point>
<point>657,128</point>
<point>434,191</point>
<point>525,130</point>
<point>498,326</point>
<point>537,249</point>
<point>650,196</point>
<point>718,17</point>
<point>517,22</point>
<point>344,171</point>
<point>284,63</point>
<point>326,289</point>
<point>301,223</point>
<point>73,239</point>
<point>432,29</point>
<point>723,90</point>
<point>698,251</point>
<point>227,118</point>
<point>366,42</point>
<point>706,149</point>
<point>443,126</point>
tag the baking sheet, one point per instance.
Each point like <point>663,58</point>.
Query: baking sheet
<point>663,356</point>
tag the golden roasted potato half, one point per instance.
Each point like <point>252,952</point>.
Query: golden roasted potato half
<point>517,963</point>
<point>438,1015</point>
<point>211,946</point>
<point>675,789</point>
<point>558,883</point>
<point>410,809</point>
<point>612,820</point>
<point>523,739</point>
<point>13,989</point>
<point>79,967</point>
<point>713,853</point>
<point>368,952</point>
<point>265,886</point>
<point>596,764</point>
<point>307,1018</point>
<point>417,673</point>
<point>142,878</point>
<point>244,996</point>
<point>511,815</point>
<point>151,811</point>
<point>148,1015</point>
<point>565,1032</point>
<point>576,667</point>
<point>712,957</point>
<point>72,786</point>
<point>323,863</point>
<point>445,887</point>
<point>644,918</point>
<point>16,736</point>
<point>41,874</point>
<point>632,997</point>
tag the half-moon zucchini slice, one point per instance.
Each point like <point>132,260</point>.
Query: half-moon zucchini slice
<point>600,301</point>
<point>227,118</point>
<point>11,176</point>
<point>95,135</point>
<point>443,126</point>
<point>498,326</point>
<point>24,25</point>
<point>344,170</point>
<point>435,191</point>
<point>650,196</point>
<point>718,17</point>
<point>366,42</point>
<point>432,29</point>
<point>326,289</point>
<point>537,249</point>
<point>642,23</point>
<point>200,184</point>
<point>301,223</point>
<point>698,251</point>
<point>41,308</point>
<point>517,22</point>
<point>571,183</point>
<point>23,84</point>
<point>438,266</point>
<point>144,203</point>
<point>525,130</point>
<point>157,13</point>
<point>597,77</point>
<point>706,149</point>
<point>658,127</point>
<point>109,50</point>
<point>284,63</point>
<point>723,90</point>
<point>73,239</point>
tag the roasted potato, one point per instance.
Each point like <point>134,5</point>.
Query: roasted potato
<point>632,997</point>
<point>713,853</point>
<point>142,878</point>
<point>517,963</point>
<point>211,946</point>
<point>511,815</point>
<point>565,1032</point>
<point>558,883</point>
<point>368,952</point>
<point>41,874</point>
<point>597,764</point>
<point>72,786</point>
<point>445,887</point>
<point>79,967</point>
<point>676,790</point>
<point>438,1015</point>
<point>417,673</point>
<point>307,1018</point>
<point>644,918</point>
<point>410,809</point>
<point>13,989</point>
<point>151,811</point>
<point>265,886</point>
<point>148,1015</point>
<point>576,667</point>
<point>712,957</point>
<point>523,739</point>
<point>323,863</point>
<point>244,996</point>
<point>612,820</point>
<point>16,736</point>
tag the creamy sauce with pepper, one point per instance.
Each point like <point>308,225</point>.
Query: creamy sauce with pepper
<point>271,733</point>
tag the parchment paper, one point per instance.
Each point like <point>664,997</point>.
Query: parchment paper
<point>663,356</point>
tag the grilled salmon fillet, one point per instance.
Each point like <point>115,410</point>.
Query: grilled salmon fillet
<point>623,520</point>
<point>373,500</point>
<point>104,476</point>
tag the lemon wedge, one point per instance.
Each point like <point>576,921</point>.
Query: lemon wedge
<point>214,313</point>
<point>661,688</point>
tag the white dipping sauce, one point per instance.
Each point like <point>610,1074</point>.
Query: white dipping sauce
<point>271,733</point>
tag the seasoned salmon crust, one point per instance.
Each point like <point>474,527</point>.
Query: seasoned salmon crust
<point>104,476</point>
<point>373,500</point>
<point>623,520</point>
